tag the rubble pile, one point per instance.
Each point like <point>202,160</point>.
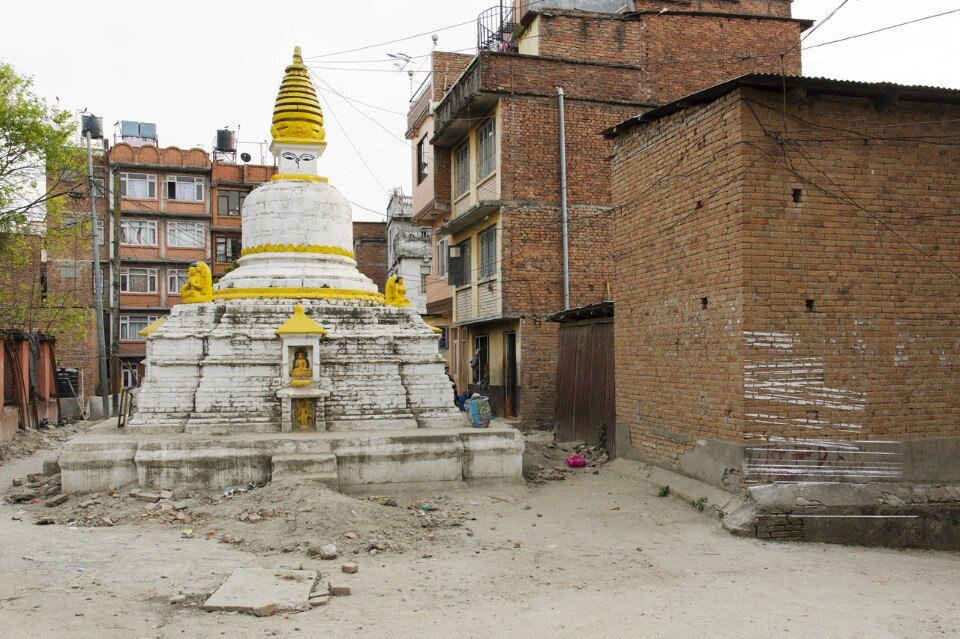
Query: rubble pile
<point>27,441</point>
<point>546,460</point>
<point>285,517</point>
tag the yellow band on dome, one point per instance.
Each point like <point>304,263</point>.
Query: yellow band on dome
<point>298,294</point>
<point>297,248</point>
<point>298,176</point>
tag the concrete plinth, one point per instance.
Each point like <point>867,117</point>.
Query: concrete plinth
<point>341,459</point>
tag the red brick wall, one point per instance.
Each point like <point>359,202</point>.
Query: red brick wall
<point>877,355</point>
<point>527,75</point>
<point>370,249</point>
<point>713,50</point>
<point>717,219</point>
<point>592,36</point>
<point>446,68</point>
<point>780,8</point>
<point>657,57</point>
<point>678,366</point>
<point>532,273</point>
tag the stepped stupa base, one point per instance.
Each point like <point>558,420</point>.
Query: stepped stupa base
<point>349,461</point>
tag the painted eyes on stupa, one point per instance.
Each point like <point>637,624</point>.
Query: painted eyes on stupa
<point>303,157</point>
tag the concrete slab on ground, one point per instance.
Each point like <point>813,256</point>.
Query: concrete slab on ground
<point>263,592</point>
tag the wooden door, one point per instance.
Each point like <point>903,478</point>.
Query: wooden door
<point>585,383</point>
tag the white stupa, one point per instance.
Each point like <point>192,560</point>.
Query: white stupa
<point>294,363</point>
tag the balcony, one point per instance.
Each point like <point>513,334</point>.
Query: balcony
<point>420,105</point>
<point>492,74</point>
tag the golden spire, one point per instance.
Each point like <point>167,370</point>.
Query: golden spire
<point>297,117</point>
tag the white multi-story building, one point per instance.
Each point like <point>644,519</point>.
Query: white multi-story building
<point>408,250</point>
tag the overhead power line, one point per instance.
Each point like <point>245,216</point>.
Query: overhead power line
<point>394,41</point>
<point>892,26</point>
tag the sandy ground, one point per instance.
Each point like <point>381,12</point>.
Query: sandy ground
<point>599,556</point>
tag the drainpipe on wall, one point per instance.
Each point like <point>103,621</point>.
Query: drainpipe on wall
<point>563,201</point>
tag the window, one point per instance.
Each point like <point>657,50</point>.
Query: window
<point>130,375</point>
<point>486,148</point>
<point>230,202</point>
<point>228,249</point>
<point>130,325</point>
<point>138,280</point>
<point>98,187</point>
<point>186,234</point>
<point>422,164</point>
<point>176,278</point>
<point>488,252</point>
<point>186,189</point>
<point>100,231</point>
<point>68,272</point>
<point>425,271</point>
<point>441,261</point>
<point>462,168</point>
<point>138,232</point>
<point>458,267</point>
<point>138,185</point>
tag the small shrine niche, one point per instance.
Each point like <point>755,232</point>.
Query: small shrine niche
<point>300,395</point>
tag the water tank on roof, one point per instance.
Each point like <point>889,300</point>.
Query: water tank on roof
<point>226,140</point>
<point>94,125</point>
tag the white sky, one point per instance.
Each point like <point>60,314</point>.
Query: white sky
<point>194,66</point>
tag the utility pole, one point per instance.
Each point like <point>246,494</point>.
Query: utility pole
<point>93,124</point>
<point>116,377</point>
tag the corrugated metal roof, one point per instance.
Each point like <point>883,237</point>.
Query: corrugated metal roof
<point>775,82</point>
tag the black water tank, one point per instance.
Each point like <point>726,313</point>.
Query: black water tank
<point>94,125</point>
<point>226,140</point>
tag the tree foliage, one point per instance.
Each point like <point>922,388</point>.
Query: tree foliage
<point>39,168</point>
<point>38,163</point>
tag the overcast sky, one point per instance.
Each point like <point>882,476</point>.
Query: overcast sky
<point>194,66</point>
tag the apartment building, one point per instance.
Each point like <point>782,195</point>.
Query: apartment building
<point>229,186</point>
<point>177,207</point>
<point>428,212</point>
<point>496,171</point>
<point>408,250</point>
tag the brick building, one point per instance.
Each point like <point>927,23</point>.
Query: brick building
<point>176,207</point>
<point>427,211</point>
<point>370,250</point>
<point>788,258</point>
<point>496,165</point>
<point>229,186</point>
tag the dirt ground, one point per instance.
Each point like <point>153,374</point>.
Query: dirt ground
<point>593,555</point>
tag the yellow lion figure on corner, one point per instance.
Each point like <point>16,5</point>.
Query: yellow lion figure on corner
<point>199,286</point>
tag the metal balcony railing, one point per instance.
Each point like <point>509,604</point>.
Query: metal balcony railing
<point>420,104</point>
<point>495,26</point>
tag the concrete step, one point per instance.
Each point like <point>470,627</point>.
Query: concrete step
<point>319,467</point>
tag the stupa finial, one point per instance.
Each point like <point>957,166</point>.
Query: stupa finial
<point>297,131</point>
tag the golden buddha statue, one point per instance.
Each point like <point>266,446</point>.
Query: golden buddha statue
<point>301,365</point>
